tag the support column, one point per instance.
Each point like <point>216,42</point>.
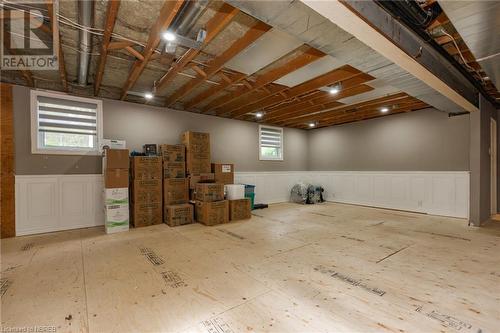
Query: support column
<point>480,183</point>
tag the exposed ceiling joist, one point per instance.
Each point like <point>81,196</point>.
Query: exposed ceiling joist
<point>216,24</point>
<point>307,107</point>
<point>327,114</point>
<point>366,21</point>
<point>231,100</point>
<point>118,45</point>
<point>337,75</point>
<point>60,54</point>
<point>109,25</point>
<point>212,91</point>
<point>167,15</point>
<point>218,62</point>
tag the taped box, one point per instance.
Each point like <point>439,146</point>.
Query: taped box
<point>175,215</point>
<point>146,167</point>
<point>146,190</point>
<point>174,170</point>
<point>116,218</point>
<point>172,153</point>
<point>239,209</point>
<point>115,159</point>
<point>201,178</point>
<point>209,192</point>
<point>146,214</point>
<point>115,196</point>
<point>116,178</point>
<point>212,213</point>
<point>175,191</point>
<point>224,173</point>
<point>197,152</point>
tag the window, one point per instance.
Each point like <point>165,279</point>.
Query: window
<point>63,124</point>
<point>270,143</point>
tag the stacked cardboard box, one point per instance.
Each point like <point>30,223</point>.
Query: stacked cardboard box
<point>223,173</point>
<point>239,209</point>
<point>116,199</point>
<point>176,209</point>
<point>210,206</point>
<point>197,152</point>
<point>146,191</point>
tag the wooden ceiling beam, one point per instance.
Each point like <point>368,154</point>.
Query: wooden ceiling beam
<point>165,18</point>
<point>332,113</point>
<point>370,114</point>
<point>232,100</point>
<point>337,75</point>
<point>109,25</point>
<point>119,44</point>
<point>216,24</point>
<point>305,108</point>
<point>216,64</point>
<point>212,91</point>
<point>60,54</point>
<point>135,53</point>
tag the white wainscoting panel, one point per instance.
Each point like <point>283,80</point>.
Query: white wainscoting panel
<point>58,202</point>
<point>61,202</point>
<point>437,193</point>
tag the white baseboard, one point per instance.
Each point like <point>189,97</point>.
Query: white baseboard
<point>437,193</point>
<point>61,202</point>
<point>46,203</point>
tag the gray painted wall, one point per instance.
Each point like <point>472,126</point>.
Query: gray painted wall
<point>425,140</point>
<point>231,140</point>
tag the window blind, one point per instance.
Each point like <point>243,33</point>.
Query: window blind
<point>270,137</point>
<point>57,115</point>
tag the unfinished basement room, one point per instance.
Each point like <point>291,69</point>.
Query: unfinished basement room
<point>250,166</point>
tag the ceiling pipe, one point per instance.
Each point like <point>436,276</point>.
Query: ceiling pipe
<point>85,18</point>
<point>186,19</point>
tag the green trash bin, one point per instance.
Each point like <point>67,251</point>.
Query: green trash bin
<point>250,193</point>
<point>252,199</point>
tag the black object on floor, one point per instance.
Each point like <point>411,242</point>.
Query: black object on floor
<point>260,206</point>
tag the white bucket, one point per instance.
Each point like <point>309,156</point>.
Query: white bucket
<point>235,191</point>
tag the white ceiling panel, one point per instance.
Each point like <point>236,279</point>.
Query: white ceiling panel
<point>378,92</point>
<point>270,47</point>
<point>310,71</point>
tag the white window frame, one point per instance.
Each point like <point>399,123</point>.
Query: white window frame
<point>267,158</point>
<point>63,151</point>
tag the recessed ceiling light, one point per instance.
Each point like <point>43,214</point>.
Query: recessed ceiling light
<point>334,90</point>
<point>259,114</point>
<point>384,109</point>
<point>169,36</point>
<point>312,124</point>
<point>148,96</point>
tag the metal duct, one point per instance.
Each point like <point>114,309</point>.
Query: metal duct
<point>478,24</point>
<point>85,18</point>
<point>189,14</point>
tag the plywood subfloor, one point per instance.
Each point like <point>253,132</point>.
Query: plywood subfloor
<point>291,268</point>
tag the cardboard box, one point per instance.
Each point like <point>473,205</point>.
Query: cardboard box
<point>145,214</point>
<point>146,167</point>
<point>197,152</point>
<point>239,209</point>
<point>173,153</point>
<point>115,159</point>
<point>175,191</point>
<point>146,190</point>
<point>174,169</point>
<point>116,218</point>
<point>201,178</point>
<point>224,173</point>
<point>175,215</point>
<point>212,213</point>
<point>116,178</point>
<point>115,196</point>
<point>209,192</point>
